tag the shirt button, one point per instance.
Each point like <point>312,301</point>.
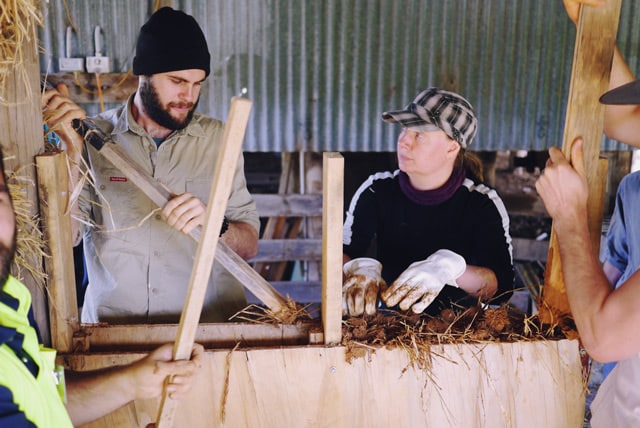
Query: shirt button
<point>158,217</point>
<point>154,291</point>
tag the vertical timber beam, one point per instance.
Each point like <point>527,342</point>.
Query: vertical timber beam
<point>53,189</point>
<point>593,54</point>
<point>21,137</point>
<point>332,202</point>
<point>219,195</point>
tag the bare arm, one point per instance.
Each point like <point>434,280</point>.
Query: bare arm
<point>242,238</point>
<point>93,395</point>
<point>479,281</point>
<point>607,320</point>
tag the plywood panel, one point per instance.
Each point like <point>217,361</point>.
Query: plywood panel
<point>523,384</point>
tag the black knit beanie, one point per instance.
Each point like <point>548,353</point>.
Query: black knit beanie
<point>171,40</point>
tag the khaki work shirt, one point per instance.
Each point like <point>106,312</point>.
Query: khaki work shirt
<point>138,266</point>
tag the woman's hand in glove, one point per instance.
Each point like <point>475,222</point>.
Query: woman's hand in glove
<point>422,281</point>
<point>362,283</point>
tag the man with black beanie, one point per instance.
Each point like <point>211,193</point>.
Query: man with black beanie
<point>139,261</point>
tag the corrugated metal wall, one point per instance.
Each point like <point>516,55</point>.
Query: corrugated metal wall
<point>320,72</point>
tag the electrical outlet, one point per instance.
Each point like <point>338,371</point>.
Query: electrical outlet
<point>71,64</point>
<point>98,64</point>
<point>67,63</point>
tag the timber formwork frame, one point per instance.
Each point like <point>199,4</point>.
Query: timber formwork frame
<point>294,375</point>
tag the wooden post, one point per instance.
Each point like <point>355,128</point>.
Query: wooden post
<point>218,197</point>
<point>593,54</point>
<point>53,189</point>
<point>22,134</point>
<point>332,202</point>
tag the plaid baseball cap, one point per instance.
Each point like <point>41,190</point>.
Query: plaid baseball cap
<point>436,109</point>
<point>625,94</point>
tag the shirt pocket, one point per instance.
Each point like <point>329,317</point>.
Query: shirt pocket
<point>200,187</point>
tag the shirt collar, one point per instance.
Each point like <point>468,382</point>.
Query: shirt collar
<point>125,122</point>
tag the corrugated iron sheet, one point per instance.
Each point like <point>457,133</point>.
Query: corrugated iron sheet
<point>320,72</point>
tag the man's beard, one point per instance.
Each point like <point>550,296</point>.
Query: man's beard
<point>6,258</point>
<point>158,113</point>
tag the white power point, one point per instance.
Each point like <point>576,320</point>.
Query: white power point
<point>66,63</point>
<point>71,64</point>
<point>98,64</point>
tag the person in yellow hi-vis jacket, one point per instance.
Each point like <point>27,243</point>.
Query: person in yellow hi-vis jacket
<point>33,392</point>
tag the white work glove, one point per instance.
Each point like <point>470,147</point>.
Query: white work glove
<point>362,283</point>
<point>422,281</point>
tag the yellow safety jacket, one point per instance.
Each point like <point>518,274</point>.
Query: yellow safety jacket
<point>30,399</point>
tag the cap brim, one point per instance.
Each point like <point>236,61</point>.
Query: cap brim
<point>625,94</point>
<point>409,119</point>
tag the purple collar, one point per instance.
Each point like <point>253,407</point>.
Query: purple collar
<point>435,196</point>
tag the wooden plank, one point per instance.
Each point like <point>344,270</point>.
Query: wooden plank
<point>219,195</point>
<point>311,249</point>
<point>53,190</point>
<point>288,249</point>
<point>288,205</point>
<point>467,385</point>
<point>593,54</point>
<point>83,89</point>
<point>333,194</point>
<point>101,338</point>
<point>251,280</point>
<point>276,222</point>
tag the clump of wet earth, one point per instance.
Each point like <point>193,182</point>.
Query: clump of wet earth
<point>463,325</point>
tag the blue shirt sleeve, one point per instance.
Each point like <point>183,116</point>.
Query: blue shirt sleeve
<point>616,243</point>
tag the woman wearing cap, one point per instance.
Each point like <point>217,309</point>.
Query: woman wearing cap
<point>442,236</point>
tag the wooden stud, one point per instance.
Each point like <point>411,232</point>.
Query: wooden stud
<point>593,55</point>
<point>333,193</point>
<point>53,190</point>
<point>219,195</point>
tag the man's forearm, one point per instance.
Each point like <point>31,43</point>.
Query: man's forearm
<point>93,395</point>
<point>242,238</point>
<point>587,286</point>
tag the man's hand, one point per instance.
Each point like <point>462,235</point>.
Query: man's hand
<point>148,375</point>
<point>563,188</point>
<point>184,212</point>
<point>362,283</point>
<point>58,111</point>
<point>573,7</point>
<point>422,281</point>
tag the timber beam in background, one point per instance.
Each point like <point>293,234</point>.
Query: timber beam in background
<point>595,42</point>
